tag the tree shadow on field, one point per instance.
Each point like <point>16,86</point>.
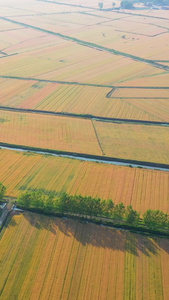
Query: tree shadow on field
<point>163,243</point>
<point>100,236</point>
<point>12,222</point>
<point>41,221</point>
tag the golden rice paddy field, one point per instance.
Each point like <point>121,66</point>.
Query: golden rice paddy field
<point>49,132</point>
<point>126,141</point>
<point>69,61</point>
<point>50,258</point>
<point>151,81</point>
<point>140,104</point>
<point>59,59</point>
<point>142,188</point>
<point>140,93</point>
<point>144,38</point>
<point>140,142</point>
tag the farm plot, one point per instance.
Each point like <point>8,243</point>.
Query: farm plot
<point>126,141</point>
<point>71,21</point>
<point>141,27</point>
<point>151,13</point>
<point>68,61</point>
<point>129,141</point>
<point>32,7</point>
<point>24,40</point>
<point>25,93</point>
<point>6,26</point>
<point>141,109</point>
<point>142,188</point>
<point>140,93</point>
<point>160,80</point>
<point>145,38</point>
<point>49,132</point>
<point>86,100</point>
<point>51,258</point>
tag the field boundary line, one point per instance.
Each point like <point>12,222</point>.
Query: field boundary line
<point>84,84</point>
<point>99,143</point>
<point>84,116</point>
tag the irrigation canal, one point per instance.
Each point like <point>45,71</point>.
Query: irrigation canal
<point>87,157</point>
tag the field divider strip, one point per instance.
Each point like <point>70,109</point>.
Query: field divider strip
<point>84,116</point>
<point>87,157</point>
<point>59,81</point>
<point>84,84</point>
<point>99,143</point>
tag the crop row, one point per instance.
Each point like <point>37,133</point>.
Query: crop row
<point>54,258</point>
<point>86,100</point>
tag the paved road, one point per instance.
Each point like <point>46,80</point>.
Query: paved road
<point>6,210</point>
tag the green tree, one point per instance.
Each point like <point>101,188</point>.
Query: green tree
<point>108,207</point>
<point>63,202</point>
<point>100,5</point>
<point>37,199</point>
<point>25,199</point>
<point>2,191</point>
<point>155,218</point>
<point>131,216</point>
<point>127,4</point>
<point>119,211</point>
<point>49,203</point>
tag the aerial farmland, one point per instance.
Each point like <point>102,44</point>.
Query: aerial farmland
<point>84,112</point>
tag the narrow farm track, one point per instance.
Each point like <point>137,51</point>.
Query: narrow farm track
<point>91,45</point>
<point>89,117</point>
<point>58,81</point>
<point>88,157</point>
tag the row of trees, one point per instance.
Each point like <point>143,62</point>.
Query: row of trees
<point>2,191</point>
<point>129,4</point>
<point>80,205</point>
<point>88,206</point>
<point>101,5</point>
<point>94,207</point>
